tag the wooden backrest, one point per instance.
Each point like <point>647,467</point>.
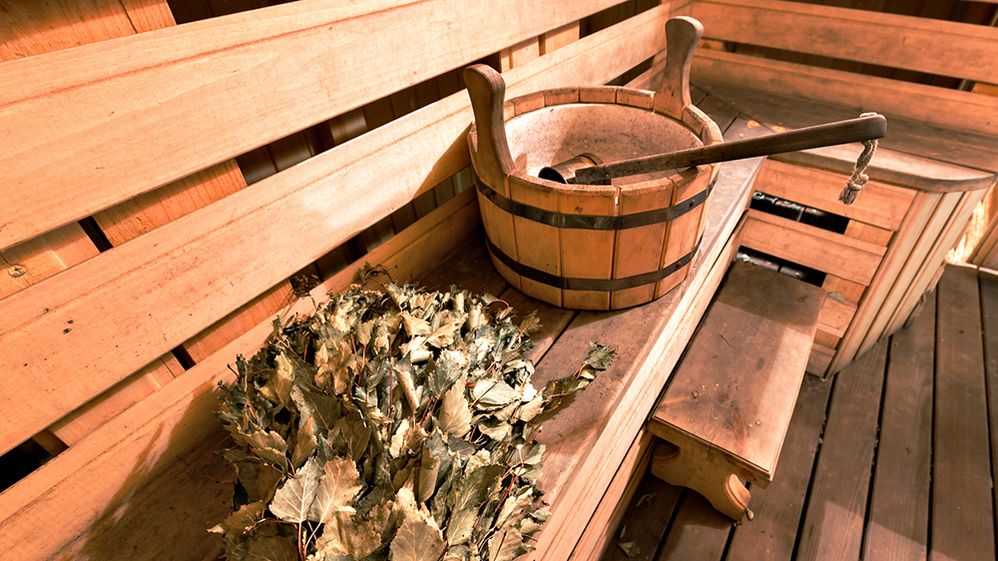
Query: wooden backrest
<point>99,124</point>
<point>944,48</point>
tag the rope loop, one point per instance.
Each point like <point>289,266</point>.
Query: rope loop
<point>859,178</point>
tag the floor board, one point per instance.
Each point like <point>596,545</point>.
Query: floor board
<point>892,459</point>
<point>962,515</point>
<point>898,523</point>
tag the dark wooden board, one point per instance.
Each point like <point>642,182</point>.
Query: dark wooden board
<point>989,321</point>
<point>698,533</point>
<point>645,521</point>
<point>962,504</point>
<point>898,522</point>
<point>833,523</point>
<point>772,534</point>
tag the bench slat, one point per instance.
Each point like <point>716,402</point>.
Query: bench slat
<point>926,45</point>
<point>255,238</point>
<point>118,124</point>
<point>927,104</point>
<point>851,259</point>
<point>737,385</point>
<point>879,204</point>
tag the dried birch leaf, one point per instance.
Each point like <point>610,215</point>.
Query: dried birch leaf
<point>418,538</point>
<point>305,444</point>
<point>293,500</point>
<point>455,414</point>
<point>339,484</point>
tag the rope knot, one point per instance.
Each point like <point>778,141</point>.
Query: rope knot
<point>859,178</point>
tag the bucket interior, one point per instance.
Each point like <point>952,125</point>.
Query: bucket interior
<point>612,132</point>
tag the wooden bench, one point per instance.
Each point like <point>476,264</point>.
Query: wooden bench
<point>110,352</point>
<point>791,64</point>
<point>136,471</point>
<point>728,406</point>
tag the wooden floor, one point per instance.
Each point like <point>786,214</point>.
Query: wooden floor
<point>893,458</point>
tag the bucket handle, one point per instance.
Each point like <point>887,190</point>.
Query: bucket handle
<point>681,37</point>
<point>487,90</point>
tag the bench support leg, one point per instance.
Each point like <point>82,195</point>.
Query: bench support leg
<point>706,473</point>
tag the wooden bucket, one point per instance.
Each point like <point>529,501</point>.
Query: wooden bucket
<point>594,247</point>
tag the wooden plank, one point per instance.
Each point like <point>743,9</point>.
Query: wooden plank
<point>74,427</point>
<point>840,288</point>
<point>928,104</point>
<point>820,360</point>
<point>879,204</point>
<point>873,234</point>
<point>962,507</point>
<point>35,260</point>
<point>698,532</point>
<point>772,533</point>
<point>898,522</point>
<point>826,251</point>
<point>989,321</point>
<point>836,315</point>
<point>558,38</point>
<point>110,464</point>
<point>148,211</point>
<point>168,266</point>
<point>833,523</point>
<point>187,116</point>
<point>737,385</point>
<point>644,522</point>
<point>934,46</point>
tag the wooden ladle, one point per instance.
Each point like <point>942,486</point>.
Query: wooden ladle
<point>865,128</point>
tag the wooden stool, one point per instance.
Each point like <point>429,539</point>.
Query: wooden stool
<point>727,410</point>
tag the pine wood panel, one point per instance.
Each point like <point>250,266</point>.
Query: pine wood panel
<point>879,204</point>
<point>853,260</point>
<point>927,104</point>
<point>599,533</point>
<point>898,521</point>
<point>962,507</point>
<point>166,266</point>
<point>56,25</point>
<point>37,259</point>
<point>833,523</point>
<point>927,45</point>
<point>187,117</point>
<point>86,419</point>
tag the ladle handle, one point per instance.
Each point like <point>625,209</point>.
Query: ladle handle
<point>682,34</point>
<point>830,134</point>
<point>487,90</point>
